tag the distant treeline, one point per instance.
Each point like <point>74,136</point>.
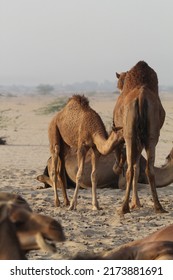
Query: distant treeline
<point>87,86</point>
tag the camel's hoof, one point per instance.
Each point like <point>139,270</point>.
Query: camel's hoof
<point>124,210</point>
<point>95,208</point>
<point>66,202</point>
<point>161,210</point>
<point>136,206</point>
<point>120,213</point>
<point>57,203</point>
<point>72,206</point>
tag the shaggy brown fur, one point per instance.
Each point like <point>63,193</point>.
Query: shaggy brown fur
<point>140,74</point>
<point>79,127</point>
<point>139,111</point>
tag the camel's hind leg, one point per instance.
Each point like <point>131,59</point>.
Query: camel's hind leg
<point>63,181</point>
<point>94,162</point>
<point>56,162</point>
<point>81,159</point>
<point>150,150</point>
<point>133,156</point>
<point>135,198</point>
<point>129,178</point>
<point>56,146</point>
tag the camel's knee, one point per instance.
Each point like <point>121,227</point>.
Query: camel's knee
<point>129,173</point>
<point>149,172</point>
<point>78,178</point>
<point>94,176</point>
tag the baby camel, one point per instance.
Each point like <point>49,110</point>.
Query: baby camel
<point>29,230</point>
<point>80,127</point>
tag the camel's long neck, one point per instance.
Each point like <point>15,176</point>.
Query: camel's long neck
<point>163,175</point>
<point>105,146</point>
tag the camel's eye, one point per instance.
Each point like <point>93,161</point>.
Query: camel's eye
<point>19,223</point>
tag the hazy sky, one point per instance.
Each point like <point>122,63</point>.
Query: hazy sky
<point>66,41</point>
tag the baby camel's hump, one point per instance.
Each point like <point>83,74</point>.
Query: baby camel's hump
<point>72,120</point>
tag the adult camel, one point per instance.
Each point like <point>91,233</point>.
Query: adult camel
<point>79,127</point>
<point>139,111</point>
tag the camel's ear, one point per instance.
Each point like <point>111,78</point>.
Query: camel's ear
<point>117,75</point>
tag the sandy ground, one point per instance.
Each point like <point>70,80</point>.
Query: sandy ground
<point>25,125</point>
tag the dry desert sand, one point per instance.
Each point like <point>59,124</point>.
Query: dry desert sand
<point>24,123</point>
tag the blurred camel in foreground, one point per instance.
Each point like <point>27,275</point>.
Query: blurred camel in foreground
<point>156,246</point>
<point>29,231</point>
<point>79,127</point>
<point>10,248</point>
<point>106,176</point>
<point>139,111</point>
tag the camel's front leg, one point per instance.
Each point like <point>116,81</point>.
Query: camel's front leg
<point>81,159</point>
<point>94,163</point>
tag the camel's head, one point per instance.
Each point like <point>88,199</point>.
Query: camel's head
<point>36,231</point>
<point>32,223</point>
<point>121,79</point>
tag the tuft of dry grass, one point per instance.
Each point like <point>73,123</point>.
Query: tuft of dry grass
<point>52,107</point>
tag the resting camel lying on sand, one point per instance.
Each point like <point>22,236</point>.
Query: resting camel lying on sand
<point>33,231</point>
<point>106,176</point>
<point>139,111</point>
<point>81,128</point>
<point>156,246</point>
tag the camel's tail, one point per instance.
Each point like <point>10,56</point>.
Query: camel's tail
<point>141,123</point>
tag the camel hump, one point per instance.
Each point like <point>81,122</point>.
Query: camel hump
<point>80,99</point>
<point>141,74</point>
